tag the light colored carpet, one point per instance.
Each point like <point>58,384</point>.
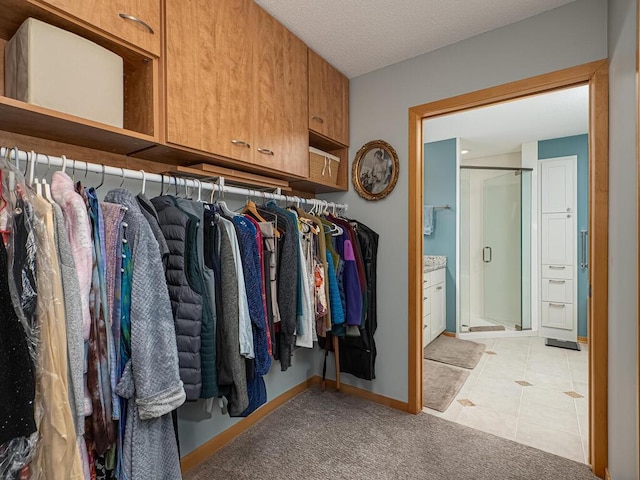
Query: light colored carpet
<point>329,436</point>
<point>488,328</point>
<point>441,383</point>
<point>453,351</point>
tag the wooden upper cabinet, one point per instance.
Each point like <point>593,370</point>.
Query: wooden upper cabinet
<point>135,21</point>
<point>209,81</point>
<point>328,100</point>
<point>280,76</point>
<point>236,84</point>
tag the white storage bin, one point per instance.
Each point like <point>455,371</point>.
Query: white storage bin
<point>56,69</point>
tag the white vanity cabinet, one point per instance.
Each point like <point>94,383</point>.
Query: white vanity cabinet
<point>434,309</point>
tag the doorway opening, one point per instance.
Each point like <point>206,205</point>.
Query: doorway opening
<point>595,75</point>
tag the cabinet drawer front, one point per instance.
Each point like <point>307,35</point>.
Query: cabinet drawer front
<point>557,315</point>
<point>438,276</point>
<point>557,271</point>
<point>426,335</point>
<point>426,305</point>
<point>426,279</point>
<point>557,290</point>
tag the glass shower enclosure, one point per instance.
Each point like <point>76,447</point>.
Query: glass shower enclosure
<point>495,249</point>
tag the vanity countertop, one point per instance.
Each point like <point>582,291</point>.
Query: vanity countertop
<point>434,262</point>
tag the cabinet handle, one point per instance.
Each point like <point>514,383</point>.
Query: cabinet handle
<point>561,305</point>
<point>553,267</point>
<point>265,151</point>
<point>557,281</point>
<point>126,16</point>
<point>439,288</point>
<point>240,143</point>
<point>317,118</point>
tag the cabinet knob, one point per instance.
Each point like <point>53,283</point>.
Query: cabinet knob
<point>240,143</point>
<point>568,215</point>
<point>317,118</point>
<point>265,151</point>
<point>126,16</point>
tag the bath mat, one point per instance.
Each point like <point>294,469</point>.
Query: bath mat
<point>454,351</point>
<point>488,328</point>
<point>440,384</point>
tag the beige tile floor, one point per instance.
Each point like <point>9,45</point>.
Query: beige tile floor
<point>542,415</point>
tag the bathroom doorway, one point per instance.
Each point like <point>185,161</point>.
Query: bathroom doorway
<point>596,76</point>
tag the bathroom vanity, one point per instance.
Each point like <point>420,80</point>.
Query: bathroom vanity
<point>434,294</point>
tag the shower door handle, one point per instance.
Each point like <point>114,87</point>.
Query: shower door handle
<point>486,250</point>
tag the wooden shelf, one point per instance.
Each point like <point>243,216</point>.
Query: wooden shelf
<point>35,121</point>
<point>141,110</point>
<point>317,187</point>
<point>205,171</point>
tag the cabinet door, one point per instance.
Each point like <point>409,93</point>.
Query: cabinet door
<point>328,100</point>
<point>557,179</point>
<point>281,136</point>
<point>139,18</point>
<point>558,238</point>
<point>210,76</point>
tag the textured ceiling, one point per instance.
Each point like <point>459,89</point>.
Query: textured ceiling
<point>359,36</point>
<point>503,128</point>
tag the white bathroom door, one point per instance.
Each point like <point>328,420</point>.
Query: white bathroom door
<point>502,234</point>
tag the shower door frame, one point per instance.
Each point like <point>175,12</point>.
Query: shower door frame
<point>596,75</point>
<point>533,272</point>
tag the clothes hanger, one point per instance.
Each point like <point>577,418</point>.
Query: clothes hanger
<point>175,184</point>
<point>101,181</point>
<point>144,182</point>
<point>199,190</point>
<point>122,182</point>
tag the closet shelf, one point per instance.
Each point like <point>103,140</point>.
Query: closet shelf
<point>36,121</point>
<point>205,171</point>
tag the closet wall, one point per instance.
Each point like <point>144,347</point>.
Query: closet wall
<point>570,35</point>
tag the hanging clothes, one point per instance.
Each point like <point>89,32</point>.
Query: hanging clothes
<point>180,232</point>
<point>252,270</point>
<point>288,283</point>
<point>151,379</point>
<point>358,354</point>
<point>150,213</point>
<point>232,375</point>
<point>56,455</point>
<point>100,375</point>
<point>17,379</point>
<point>207,280</point>
<point>73,310</point>
<point>76,219</point>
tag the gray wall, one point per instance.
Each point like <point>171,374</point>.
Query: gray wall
<point>570,35</point>
<point>623,242</point>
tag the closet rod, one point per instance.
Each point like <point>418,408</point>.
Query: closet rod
<point>170,180</point>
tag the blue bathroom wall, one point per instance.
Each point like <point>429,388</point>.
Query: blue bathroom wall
<point>563,147</point>
<point>440,189</point>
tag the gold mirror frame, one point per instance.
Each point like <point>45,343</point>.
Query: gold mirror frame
<point>368,189</point>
